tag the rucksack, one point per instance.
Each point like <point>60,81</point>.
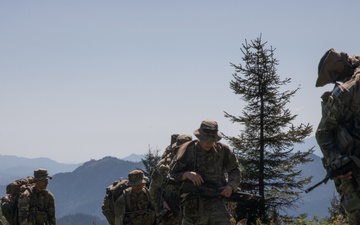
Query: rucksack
<point>113,192</point>
<point>9,201</point>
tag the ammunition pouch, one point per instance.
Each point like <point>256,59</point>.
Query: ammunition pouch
<point>146,216</point>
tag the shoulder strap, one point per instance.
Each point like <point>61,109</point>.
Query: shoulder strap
<point>147,194</point>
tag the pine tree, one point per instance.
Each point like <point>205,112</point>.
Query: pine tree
<point>335,210</point>
<point>150,160</point>
<point>265,145</point>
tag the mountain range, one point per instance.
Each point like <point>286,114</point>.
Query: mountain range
<point>80,188</point>
<point>14,167</point>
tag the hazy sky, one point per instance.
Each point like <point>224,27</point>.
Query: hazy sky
<point>81,80</point>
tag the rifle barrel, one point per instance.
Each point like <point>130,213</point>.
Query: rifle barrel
<point>317,184</point>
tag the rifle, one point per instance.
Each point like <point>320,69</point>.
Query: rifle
<point>340,166</point>
<point>209,190</point>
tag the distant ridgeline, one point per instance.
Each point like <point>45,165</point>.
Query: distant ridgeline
<point>13,167</point>
<point>82,190</point>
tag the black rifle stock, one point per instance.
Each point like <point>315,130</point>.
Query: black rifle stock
<point>339,167</point>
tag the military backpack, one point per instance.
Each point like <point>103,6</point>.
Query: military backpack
<point>113,192</point>
<point>9,201</point>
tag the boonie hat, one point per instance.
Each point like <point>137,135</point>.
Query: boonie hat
<point>136,177</point>
<point>41,174</point>
<point>208,131</point>
<point>334,66</point>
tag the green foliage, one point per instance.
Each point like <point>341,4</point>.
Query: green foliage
<point>335,210</point>
<point>301,220</point>
<point>150,161</point>
<point>265,145</point>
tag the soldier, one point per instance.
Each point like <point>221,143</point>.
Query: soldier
<point>134,206</point>
<point>338,133</point>
<point>202,162</point>
<point>37,204</point>
<point>165,195</point>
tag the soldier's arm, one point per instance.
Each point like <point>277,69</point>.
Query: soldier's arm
<point>51,210</point>
<point>120,210</point>
<point>232,168</point>
<point>23,207</point>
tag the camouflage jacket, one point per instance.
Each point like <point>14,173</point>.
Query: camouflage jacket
<point>135,209</point>
<point>211,165</point>
<point>36,208</point>
<point>339,129</point>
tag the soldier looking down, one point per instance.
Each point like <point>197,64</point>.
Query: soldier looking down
<point>202,162</point>
<point>37,204</point>
<point>134,206</point>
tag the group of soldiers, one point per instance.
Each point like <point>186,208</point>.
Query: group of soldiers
<point>201,162</point>
<point>172,197</point>
<point>208,162</point>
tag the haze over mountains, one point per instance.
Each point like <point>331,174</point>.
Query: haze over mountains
<point>80,188</point>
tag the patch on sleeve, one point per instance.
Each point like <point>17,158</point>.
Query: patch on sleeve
<point>337,91</point>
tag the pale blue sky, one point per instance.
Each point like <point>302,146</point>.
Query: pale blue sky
<point>81,80</point>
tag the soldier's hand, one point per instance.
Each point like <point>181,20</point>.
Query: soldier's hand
<point>227,191</point>
<point>193,177</point>
<point>346,176</point>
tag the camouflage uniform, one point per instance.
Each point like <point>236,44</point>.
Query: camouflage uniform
<point>212,165</point>
<point>134,208</point>
<point>338,132</point>
<point>37,207</point>
<point>163,192</point>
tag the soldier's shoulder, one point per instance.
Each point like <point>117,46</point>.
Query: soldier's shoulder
<point>48,193</point>
<point>223,146</point>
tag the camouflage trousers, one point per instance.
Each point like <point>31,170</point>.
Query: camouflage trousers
<point>354,217</point>
<point>172,220</point>
<point>205,211</point>
<point>350,200</point>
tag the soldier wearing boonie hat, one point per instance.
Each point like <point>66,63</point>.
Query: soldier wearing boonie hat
<point>40,198</point>
<point>134,206</point>
<point>205,161</point>
<point>338,131</point>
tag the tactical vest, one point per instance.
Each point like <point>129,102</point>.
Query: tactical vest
<point>344,102</point>
<point>140,212</point>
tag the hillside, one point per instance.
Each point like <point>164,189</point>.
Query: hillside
<point>83,190</point>
<point>317,201</point>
